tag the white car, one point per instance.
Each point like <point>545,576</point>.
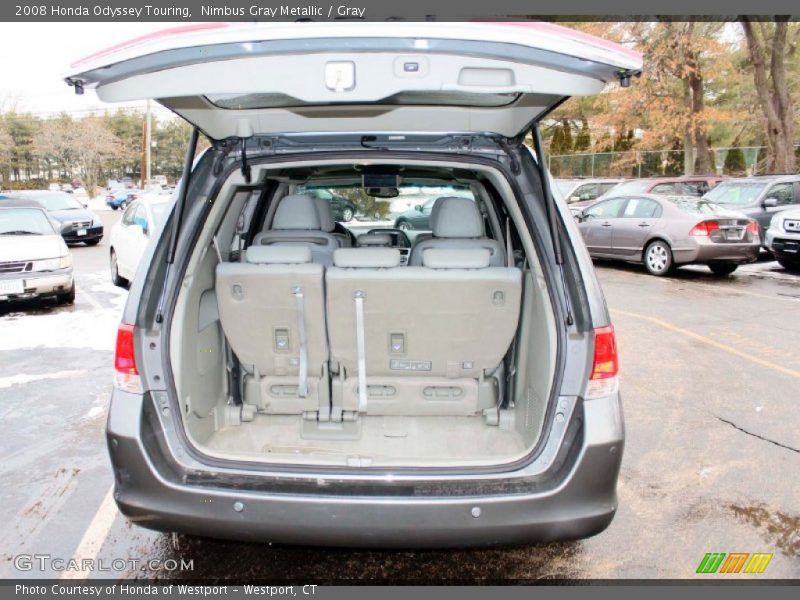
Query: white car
<point>783,239</point>
<point>131,235</point>
<point>34,259</point>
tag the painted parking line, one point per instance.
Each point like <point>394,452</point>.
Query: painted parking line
<point>92,540</point>
<point>84,295</point>
<point>714,344</point>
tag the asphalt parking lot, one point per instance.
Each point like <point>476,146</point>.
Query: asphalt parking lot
<point>710,383</point>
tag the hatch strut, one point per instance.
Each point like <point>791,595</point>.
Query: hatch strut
<point>178,216</point>
<point>550,204</point>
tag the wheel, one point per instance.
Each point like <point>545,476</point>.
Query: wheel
<point>789,265</point>
<point>347,214</point>
<point>68,297</point>
<point>114,207</point>
<point>403,226</point>
<point>658,258</point>
<point>123,205</point>
<point>722,269</point>
<point>115,276</point>
<point>92,242</point>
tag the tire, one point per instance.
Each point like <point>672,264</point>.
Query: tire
<point>790,265</point>
<point>347,214</point>
<point>92,242</point>
<point>658,258</point>
<point>404,226</point>
<point>115,276</point>
<point>723,269</point>
<point>68,297</point>
<point>114,207</point>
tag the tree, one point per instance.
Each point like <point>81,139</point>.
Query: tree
<point>768,48</point>
<point>734,161</point>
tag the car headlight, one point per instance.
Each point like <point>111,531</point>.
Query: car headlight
<point>53,264</point>
<point>776,222</point>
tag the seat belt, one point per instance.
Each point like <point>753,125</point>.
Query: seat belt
<point>302,375</point>
<point>362,353</point>
<point>509,249</point>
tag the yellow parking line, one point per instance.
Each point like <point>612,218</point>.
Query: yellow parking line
<point>710,342</point>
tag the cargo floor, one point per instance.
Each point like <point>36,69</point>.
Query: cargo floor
<point>374,441</point>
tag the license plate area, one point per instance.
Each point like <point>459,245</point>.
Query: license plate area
<point>12,286</point>
<point>734,234</point>
<point>80,232</point>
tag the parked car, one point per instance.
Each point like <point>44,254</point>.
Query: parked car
<point>343,209</point>
<point>417,218</point>
<point>34,259</point>
<point>687,185</point>
<point>783,238</point>
<point>271,384</point>
<point>76,222</point>
<point>131,234</point>
<point>120,197</point>
<point>585,190</point>
<point>664,232</point>
<point>758,197</point>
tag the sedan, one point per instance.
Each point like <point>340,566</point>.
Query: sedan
<point>131,234</point>
<point>664,232</point>
<point>75,222</point>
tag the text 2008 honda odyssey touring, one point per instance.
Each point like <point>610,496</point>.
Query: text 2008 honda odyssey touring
<point>284,377</point>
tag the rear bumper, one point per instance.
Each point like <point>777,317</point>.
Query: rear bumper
<point>702,250</point>
<point>581,502</point>
<point>785,246</point>
<point>43,284</point>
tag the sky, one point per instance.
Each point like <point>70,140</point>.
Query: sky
<point>34,57</point>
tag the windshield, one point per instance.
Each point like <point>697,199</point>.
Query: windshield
<point>632,187</point>
<point>24,221</point>
<point>58,202</point>
<point>696,206</point>
<point>566,185</point>
<point>740,193</point>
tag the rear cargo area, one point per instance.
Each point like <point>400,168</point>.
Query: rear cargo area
<point>302,339</point>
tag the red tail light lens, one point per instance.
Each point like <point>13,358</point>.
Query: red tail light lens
<point>752,227</point>
<point>705,228</point>
<point>124,359</point>
<point>606,362</point>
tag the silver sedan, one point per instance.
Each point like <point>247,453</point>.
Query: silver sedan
<point>664,232</point>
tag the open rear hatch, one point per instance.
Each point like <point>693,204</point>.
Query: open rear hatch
<point>234,80</point>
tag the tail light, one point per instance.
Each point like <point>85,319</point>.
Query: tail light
<point>752,227</point>
<point>604,379</point>
<point>126,375</point>
<point>704,228</point>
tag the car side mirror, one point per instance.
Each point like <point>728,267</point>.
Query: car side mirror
<point>770,203</point>
<point>84,204</point>
<point>574,199</point>
<point>418,207</point>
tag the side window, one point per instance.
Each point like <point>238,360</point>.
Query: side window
<point>140,218</point>
<point>428,206</point>
<point>608,209</point>
<point>127,218</point>
<point>782,192</point>
<point>694,188</point>
<point>604,187</point>
<point>641,208</point>
<point>245,220</point>
<point>663,188</point>
<point>588,191</point>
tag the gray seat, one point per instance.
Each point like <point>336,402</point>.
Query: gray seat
<point>297,222</point>
<point>457,223</point>
<point>271,308</point>
<point>328,223</point>
<point>374,240</point>
<point>423,340</point>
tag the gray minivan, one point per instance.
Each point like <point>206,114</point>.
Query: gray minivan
<point>282,376</point>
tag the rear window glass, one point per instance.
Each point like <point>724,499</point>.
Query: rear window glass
<point>695,206</point>
<point>422,98</point>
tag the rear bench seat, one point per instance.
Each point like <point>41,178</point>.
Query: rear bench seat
<point>272,312</point>
<point>428,335</point>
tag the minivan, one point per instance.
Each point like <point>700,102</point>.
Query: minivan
<point>284,377</point>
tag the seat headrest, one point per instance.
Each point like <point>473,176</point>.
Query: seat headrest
<point>456,258</point>
<point>297,211</point>
<point>326,220</point>
<point>374,239</point>
<point>366,258</point>
<point>278,255</point>
<point>455,217</point>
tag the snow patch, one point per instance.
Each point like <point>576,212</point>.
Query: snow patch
<point>23,378</point>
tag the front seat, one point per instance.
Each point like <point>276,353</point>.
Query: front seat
<point>297,223</point>
<point>457,223</point>
<point>328,223</point>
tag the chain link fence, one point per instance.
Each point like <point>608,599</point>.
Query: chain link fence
<point>652,163</point>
